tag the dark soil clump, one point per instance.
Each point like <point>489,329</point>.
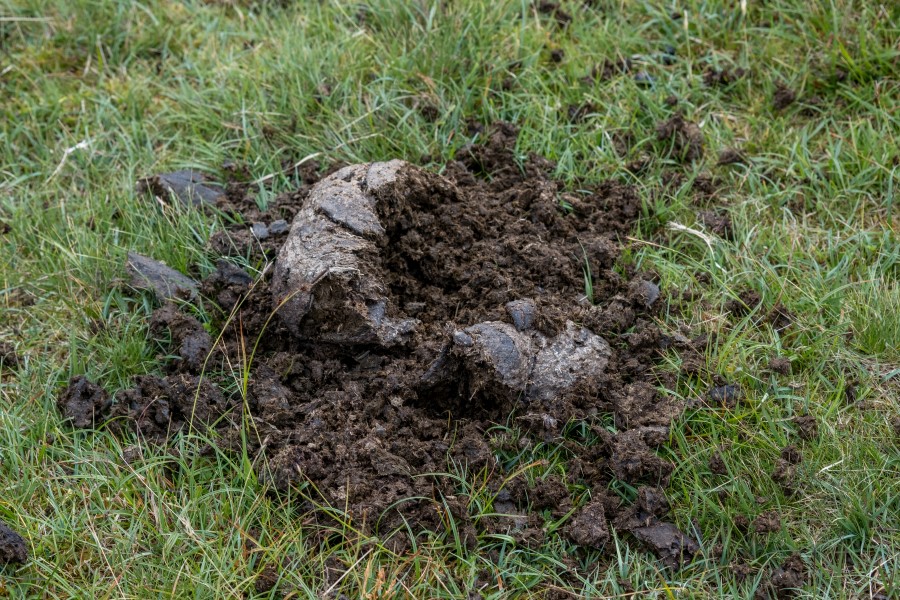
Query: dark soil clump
<point>684,136</point>
<point>780,365</point>
<point>553,9</point>
<point>722,77</point>
<point>9,358</point>
<point>83,403</point>
<point>730,156</point>
<point>767,522</point>
<point>412,313</point>
<point>609,69</point>
<point>806,425</point>
<point>746,302</point>
<point>784,97</point>
<point>717,464</point>
<point>786,581</point>
<point>13,548</point>
<point>719,223</point>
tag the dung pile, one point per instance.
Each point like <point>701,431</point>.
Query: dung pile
<point>406,314</point>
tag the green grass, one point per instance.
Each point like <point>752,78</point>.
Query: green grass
<point>97,93</point>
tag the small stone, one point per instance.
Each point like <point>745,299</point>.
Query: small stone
<point>164,281</point>
<point>191,188</point>
<point>644,79</point>
<point>279,227</point>
<point>522,313</point>
<point>461,338</point>
<point>260,231</point>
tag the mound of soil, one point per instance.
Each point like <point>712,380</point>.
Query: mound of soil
<point>406,316</point>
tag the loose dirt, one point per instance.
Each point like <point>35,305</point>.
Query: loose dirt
<point>414,323</point>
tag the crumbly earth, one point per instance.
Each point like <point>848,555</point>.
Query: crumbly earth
<point>403,333</point>
<point>13,548</point>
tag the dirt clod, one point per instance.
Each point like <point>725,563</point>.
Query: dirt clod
<point>788,579</point>
<point>589,528</point>
<point>553,9</point>
<point>83,403</point>
<point>807,427</point>
<point>780,365</point>
<point>767,522</point>
<point>725,395</point>
<point>731,156</point>
<point>668,543</point>
<point>13,548</point>
<point>164,281</point>
<point>784,97</point>
<point>189,187</point>
<point>741,571</point>
<point>717,464</point>
<point>717,222</point>
<point>685,137</point>
<point>266,579</point>
<point>746,302</point>
<point>713,77</point>
<point>9,358</point>
<point>784,475</point>
<point>791,454</point>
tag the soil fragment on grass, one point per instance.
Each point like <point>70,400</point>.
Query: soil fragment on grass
<point>784,475</point>
<point>807,427</point>
<point>9,359</point>
<point>791,454</point>
<point>685,136</point>
<point>668,543</point>
<point>767,522</point>
<point>730,156</point>
<point>588,527</point>
<point>780,365</point>
<point>13,548</point>
<point>82,403</point>
<point>553,9</point>
<point>746,302</point>
<point>784,97</point>
<point>413,312</point>
<point>786,581</point>
<point>165,282</point>
<point>190,187</point>
<point>717,464</point>
<point>725,395</point>
<point>713,77</point>
<point>719,223</point>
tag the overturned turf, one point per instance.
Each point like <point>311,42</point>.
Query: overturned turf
<point>406,315</point>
